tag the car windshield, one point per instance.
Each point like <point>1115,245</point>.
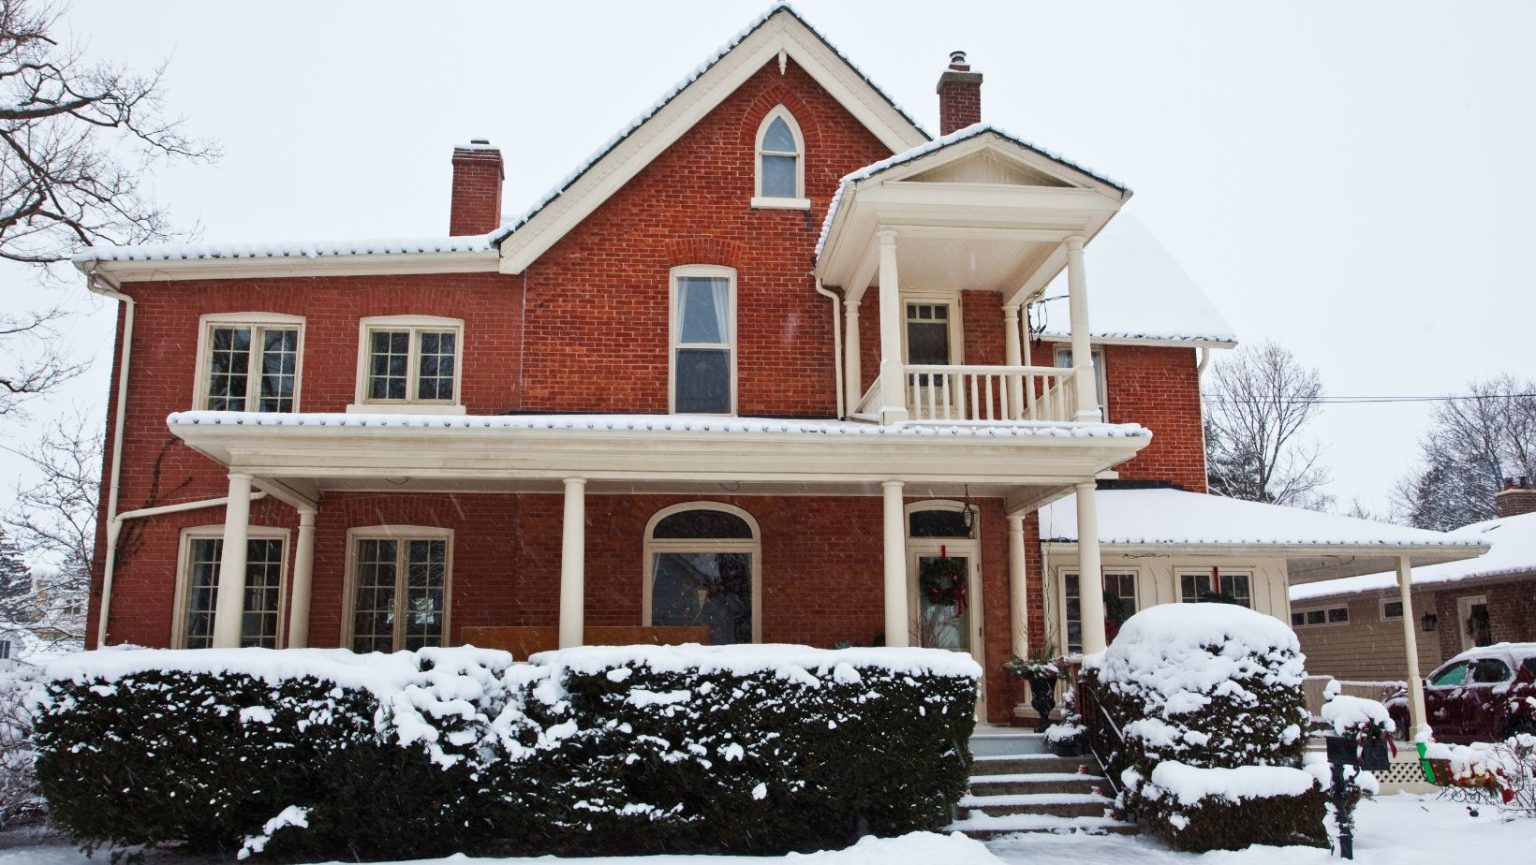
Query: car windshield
<point>1455,674</point>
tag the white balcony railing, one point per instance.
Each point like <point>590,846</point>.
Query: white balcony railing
<point>989,393</point>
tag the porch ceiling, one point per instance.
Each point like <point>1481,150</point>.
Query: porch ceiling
<point>305,455</point>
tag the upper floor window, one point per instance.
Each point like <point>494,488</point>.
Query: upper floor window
<point>398,596</point>
<point>249,362</point>
<point>1101,381</point>
<point>409,362</point>
<point>703,340</point>
<point>202,550</point>
<point>780,162</point>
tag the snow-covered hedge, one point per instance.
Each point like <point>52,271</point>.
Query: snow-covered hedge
<point>1209,700</point>
<point>600,750</point>
<point>19,799</point>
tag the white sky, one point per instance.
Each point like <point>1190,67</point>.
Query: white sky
<point>1350,179</point>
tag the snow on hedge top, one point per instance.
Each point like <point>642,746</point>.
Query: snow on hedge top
<point>784,660</point>
<point>664,423</point>
<point>1136,291</point>
<point>1168,516</point>
<point>380,674</point>
<point>1179,652</point>
<point>1511,550</point>
<point>1191,784</point>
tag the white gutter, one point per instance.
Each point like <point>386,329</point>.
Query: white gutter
<point>1205,360</point>
<point>837,345</point>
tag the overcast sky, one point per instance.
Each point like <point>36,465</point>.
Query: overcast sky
<point>1351,179</point>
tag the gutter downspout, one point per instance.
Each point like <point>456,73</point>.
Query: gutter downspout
<point>103,286</point>
<point>1205,361</point>
<point>837,345</point>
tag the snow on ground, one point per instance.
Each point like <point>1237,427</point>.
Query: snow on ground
<point>1390,830</point>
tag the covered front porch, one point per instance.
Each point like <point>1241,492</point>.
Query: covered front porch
<point>577,523</point>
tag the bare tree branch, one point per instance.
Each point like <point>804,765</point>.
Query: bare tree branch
<point>1263,400</point>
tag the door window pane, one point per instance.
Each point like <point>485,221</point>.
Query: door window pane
<point>704,588</point>
<point>263,591</point>
<point>400,595</point>
<point>941,623</point>
<point>425,585</point>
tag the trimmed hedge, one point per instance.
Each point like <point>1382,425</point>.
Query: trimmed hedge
<point>760,749</point>
<point>1209,686</point>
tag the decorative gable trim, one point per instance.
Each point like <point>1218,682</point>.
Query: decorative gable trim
<point>780,34</point>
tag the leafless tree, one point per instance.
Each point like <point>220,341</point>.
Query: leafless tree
<point>54,521</point>
<point>1473,443</point>
<point>77,139</point>
<point>1260,404</point>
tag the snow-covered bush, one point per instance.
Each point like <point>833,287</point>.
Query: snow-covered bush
<point>1196,687</point>
<point>746,749</point>
<point>750,748</point>
<point>1505,770</point>
<point>208,747</point>
<point>19,799</point>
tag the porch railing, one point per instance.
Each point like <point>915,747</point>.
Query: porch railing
<point>989,393</point>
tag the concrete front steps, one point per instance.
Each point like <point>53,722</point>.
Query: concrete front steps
<point>1017,785</point>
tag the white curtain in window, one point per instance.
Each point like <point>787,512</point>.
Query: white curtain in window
<point>703,305</point>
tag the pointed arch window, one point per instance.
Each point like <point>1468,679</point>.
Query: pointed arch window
<point>780,162</point>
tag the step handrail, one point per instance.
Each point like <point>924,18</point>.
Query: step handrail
<point>1095,718</point>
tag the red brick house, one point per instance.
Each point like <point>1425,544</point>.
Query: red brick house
<point>774,365</point>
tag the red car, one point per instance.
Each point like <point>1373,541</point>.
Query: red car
<point>1483,695</point>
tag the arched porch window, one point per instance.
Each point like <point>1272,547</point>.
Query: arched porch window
<point>703,562</point>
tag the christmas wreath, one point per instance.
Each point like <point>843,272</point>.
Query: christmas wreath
<point>943,582</point>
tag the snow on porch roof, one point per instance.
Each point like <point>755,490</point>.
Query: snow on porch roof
<point>1511,550</point>
<point>1169,517</point>
<point>1136,292</point>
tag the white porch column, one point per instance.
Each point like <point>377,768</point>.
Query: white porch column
<point>853,372</point>
<point>1416,713</point>
<point>573,552</point>
<point>1018,588</point>
<point>1013,355</point>
<point>229,608</point>
<point>897,625</point>
<point>1082,350</point>
<point>1090,578</point>
<point>893,377</point>
<point>303,579</point>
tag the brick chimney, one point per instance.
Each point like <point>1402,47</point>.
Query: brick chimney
<point>1517,497</point>
<point>959,95</point>
<point>477,176</point>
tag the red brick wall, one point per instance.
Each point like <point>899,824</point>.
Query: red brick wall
<point>1511,613</point>
<point>609,276</point>
<point>1159,388</point>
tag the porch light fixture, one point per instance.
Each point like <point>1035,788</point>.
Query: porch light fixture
<point>968,513</point>
<point>1429,621</point>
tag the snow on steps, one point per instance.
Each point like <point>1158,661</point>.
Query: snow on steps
<point>1017,785</point>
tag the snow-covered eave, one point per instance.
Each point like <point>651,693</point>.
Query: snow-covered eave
<point>1180,340</point>
<point>470,253</point>
<point>1309,560</point>
<point>1386,584</point>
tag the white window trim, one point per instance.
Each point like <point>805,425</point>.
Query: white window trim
<point>1464,605</point>
<point>654,545</point>
<point>1327,620</point>
<point>968,547</point>
<point>1251,573</point>
<point>1064,571</point>
<point>410,405</point>
<point>184,576</point>
<point>395,533</point>
<point>1381,609</point>
<point>1100,372</point>
<point>674,330</point>
<point>205,326</point>
<point>799,202</point>
<point>956,323</point>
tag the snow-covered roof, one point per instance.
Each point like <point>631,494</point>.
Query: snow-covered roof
<point>1170,517</point>
<point>1511,550</point>
<point>1136,292</point>
<point>659,423</point>
<point>288,249</point>
<point>937,144</point>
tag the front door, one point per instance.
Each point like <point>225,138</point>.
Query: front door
<point>1476,628</point>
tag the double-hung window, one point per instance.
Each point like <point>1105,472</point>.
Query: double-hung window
<point>1119,604</point>
<point>249,362</point>
<point>1222,587</point>
<point>202,549</point>
<point>703,340</point>
<point>410,362</point>
<point>1100,378</point>
<point>780,162</point>
<point>399,578</point>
